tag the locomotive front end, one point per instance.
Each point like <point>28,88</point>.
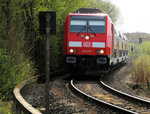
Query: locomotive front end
<point>85,45</point>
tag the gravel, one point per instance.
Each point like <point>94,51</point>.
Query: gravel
<point>95,90</point>
<point>62,100</point>
<point>119,80</point>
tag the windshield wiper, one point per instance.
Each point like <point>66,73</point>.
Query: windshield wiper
<point>92,30</point>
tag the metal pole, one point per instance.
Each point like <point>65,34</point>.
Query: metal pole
<point>140,50</point>
<point>132,59</point>
<point>140,42</point>
<point>47,61</point>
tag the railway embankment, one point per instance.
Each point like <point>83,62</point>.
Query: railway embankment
<point>63,100</point>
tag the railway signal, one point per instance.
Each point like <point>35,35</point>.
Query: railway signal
<point>47,27</point>
<point>43,24</point>
<point>140,40</point>
<point>132,49</point>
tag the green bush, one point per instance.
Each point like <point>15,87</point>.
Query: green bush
<point>15,63</point>
<point>12,71</point>
<point>5,108</point>
<point>145,49</point>
<point>141,70</point>
<point>19,36</point>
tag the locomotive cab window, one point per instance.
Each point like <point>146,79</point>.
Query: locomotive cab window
<point>96,26</point>
<point>78,26</point>
<point>87,24</point>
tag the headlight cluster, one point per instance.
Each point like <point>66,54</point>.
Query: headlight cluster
<point>87,37</point>
<point>73,50</point>
<point>100,51</point>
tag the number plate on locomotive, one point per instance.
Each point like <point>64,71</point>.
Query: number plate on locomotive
<point>86,44</point>
<point>86,51</point>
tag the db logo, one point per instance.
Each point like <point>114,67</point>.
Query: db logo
<point>86,44</point>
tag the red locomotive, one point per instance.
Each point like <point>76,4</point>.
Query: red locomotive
<point>91,42</point>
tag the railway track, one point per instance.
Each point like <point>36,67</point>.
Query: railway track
<point>122,94</point>
<point>98,92</point>
<point>21,105</point>
<point>102,94</point>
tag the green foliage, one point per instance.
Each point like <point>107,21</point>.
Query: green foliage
<point>141,66</point>
<point>5,108</point>
<point>145,49</point>
<point>134,37</point>
<point>141,70</point>
<point>111,10</point>
<point>13,70</point>
<point>21,46</point>
<point>15,64</point>
<point>62,8</point>
<point>20,39</point>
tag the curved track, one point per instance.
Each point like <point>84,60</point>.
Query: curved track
<point>98,101</point>
<point>21,105</point>
<point>122,94</point>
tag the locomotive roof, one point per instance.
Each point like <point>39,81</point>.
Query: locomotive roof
<point>88,10</point>
<point>93,12</point>
<point>87,14</point>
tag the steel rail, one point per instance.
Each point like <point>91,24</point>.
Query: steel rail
<point>111,106</point>
<point>21,105</point>
<point>120,93</point>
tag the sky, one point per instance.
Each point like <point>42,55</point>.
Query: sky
<point>134,15</point>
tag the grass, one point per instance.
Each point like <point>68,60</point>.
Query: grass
<point>6,108</point>
<point>141,71</point>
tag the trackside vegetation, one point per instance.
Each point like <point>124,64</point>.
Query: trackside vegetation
<point>141,70</point>
<point>141,66</point>
<point>22,49</point>
<point>6,108</point>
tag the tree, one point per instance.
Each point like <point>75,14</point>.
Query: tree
<point>20,40</point>
<point>107,7</point>
<point>15,64</point>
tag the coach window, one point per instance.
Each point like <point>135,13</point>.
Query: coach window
<point>96,26</point>
<point>78,25</point>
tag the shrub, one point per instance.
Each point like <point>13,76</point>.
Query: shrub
<point>5,108</point>
<point>145,49</point>
<point>141,70</point>
<point>12,71</point>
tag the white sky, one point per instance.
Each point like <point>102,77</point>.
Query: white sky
<point>135,15</point>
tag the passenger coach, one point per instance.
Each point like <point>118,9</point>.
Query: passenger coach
<point>91,42</point>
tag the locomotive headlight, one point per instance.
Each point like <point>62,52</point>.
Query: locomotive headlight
<point>71,50</point>
<point>101,51</point>
<point>87,37</point>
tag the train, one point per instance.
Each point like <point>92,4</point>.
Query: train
<point>92,43</point>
